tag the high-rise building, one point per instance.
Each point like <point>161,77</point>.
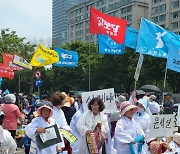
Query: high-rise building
<point>59,19</point>
<point>166,13</point>
<point>78,16</point>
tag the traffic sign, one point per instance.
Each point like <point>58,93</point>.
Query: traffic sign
<point>37,74</point>
<point>38,82</point>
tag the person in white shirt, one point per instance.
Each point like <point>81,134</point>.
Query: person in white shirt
<point>153,105</point>
<point>142,117</point>
<point>38,125</point>
<point>57,99</point>
<point>7,143</point>
<point>127,130</point>
<point>112,120</point>
<point>89,121</point>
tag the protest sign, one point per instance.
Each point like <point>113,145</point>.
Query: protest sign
<point>161,125</point>
<point>70,137</point>
<point>106,95</point>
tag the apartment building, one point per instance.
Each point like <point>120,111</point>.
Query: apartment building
<point>166,13</point>
<point>59,19</point>
<point>79,15</point>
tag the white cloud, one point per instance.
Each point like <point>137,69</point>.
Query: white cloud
<point>29,18</point>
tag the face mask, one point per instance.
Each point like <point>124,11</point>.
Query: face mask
<point>140,110</point>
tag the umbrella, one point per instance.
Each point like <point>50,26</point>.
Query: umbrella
<point>151,88</point>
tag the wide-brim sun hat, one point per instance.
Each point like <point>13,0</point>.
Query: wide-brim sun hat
<point>176,138</point>
<point>120,99</point>
<point>45,104</point>
<point>126,106</point>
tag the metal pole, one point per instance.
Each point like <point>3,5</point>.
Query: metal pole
<point>165,75</point>
<point>135,85</point>
<point>39,92</point>
<point>89,70</point>
<point>19,83</point>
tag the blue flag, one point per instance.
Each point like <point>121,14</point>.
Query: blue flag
<point>131,37</point>
<point>173,61</point>
<point>0,81</point>
<point>153,40</point>
<point>109,46</point>
<point>6,92</point>
<point>67,58</point>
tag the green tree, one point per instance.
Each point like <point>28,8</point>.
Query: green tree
<point>10,43</point>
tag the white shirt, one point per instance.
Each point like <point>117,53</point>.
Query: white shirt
<point>88,121</point>
<point>31,128</point>
<point>126,131</point>
<point>75,132</point>
<point>58,115</point>
<point>154,107</point>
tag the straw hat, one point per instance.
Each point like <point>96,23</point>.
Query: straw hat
<point>176,138</point>
<point>45,104</point>
<point>126,106</point>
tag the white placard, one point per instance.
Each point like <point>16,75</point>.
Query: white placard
<point>161,125</point>
<point>106,95</point>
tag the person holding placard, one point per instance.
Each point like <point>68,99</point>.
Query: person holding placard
<point>38,128</point>
<point>128,133</point>
<point>89,121</point>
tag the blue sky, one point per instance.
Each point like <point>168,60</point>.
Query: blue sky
<point>29,18</point>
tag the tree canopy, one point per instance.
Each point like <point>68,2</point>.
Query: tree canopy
<point>94,71</point>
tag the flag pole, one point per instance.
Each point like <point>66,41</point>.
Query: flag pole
<point>164,86</point>
<point>89,70</point>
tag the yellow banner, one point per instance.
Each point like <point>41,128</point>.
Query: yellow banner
<point>21,62</point>
<point>70,137</point>
<point>44,56</point>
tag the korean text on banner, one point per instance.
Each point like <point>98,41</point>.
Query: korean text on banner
<point>67,58</point>
<point>153,40</point>
<point>21,62</point>
<point>106,95</point>
<point>8,61</point>
<point>6,72</point>
<point>138,68</point>
<point>108,46</point>
<point>161,125</point>
<point>44,56</point>
<point>101,23</point>
<point>173,61</point>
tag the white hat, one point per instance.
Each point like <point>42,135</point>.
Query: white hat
<point>126,106</point>
<point>153,97</point>
<point>144,103</point>
<point>120,99</point>
<point>10,98</point>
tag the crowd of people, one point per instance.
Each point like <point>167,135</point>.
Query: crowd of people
<point>123,132</point>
